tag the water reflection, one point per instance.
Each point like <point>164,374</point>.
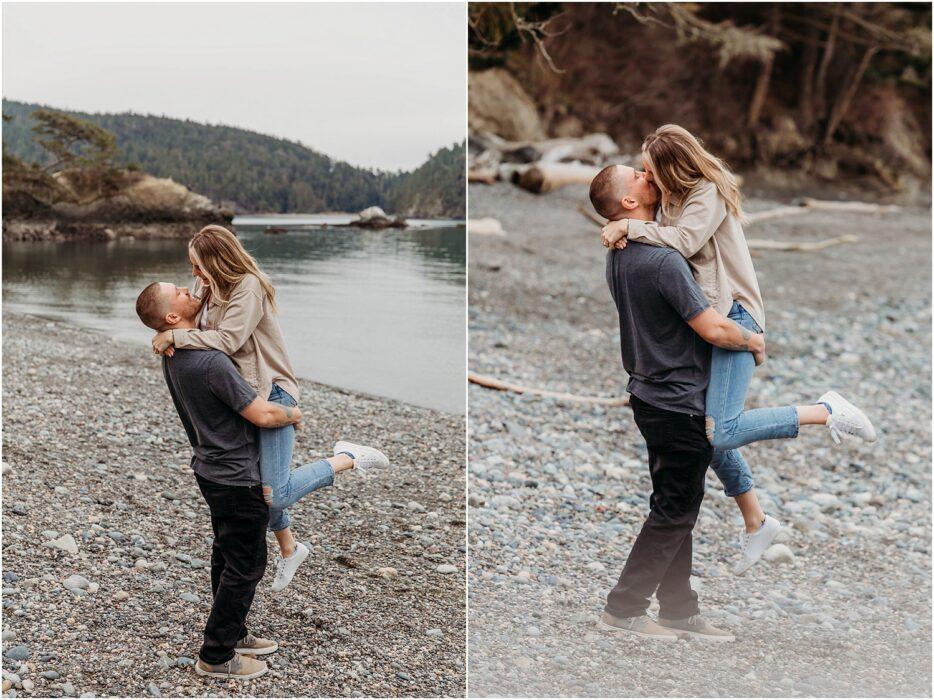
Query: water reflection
<point>375,311</point>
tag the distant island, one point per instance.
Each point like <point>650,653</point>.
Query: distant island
<point>247,172</point>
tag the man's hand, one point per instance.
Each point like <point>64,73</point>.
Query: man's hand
<point>614,233</point>
<point>162,343</point>
<point>297,415</point>
<point>757,346</point>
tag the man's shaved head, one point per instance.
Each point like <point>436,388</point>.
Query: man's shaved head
<point>162,306</point>
<point>152,305</point>
<point>618,192</point>
<point>607,191</point>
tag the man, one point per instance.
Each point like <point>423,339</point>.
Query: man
<point>666,328</point>
<point>219,410</point>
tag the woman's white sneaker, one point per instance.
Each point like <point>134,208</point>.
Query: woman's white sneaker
<point>287,566</point>
<point>754,545</point>
<point>846,419</point>
<point>364,457</point>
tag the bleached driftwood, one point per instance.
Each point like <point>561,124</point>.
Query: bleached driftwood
<point>797,246</point>
<point>593,148</point>
<point>544,177</point>
<point>860,207</point>
<point>486,176</point>
<point>756,217</point>
<point>802,246</point>
<point>499,385</point>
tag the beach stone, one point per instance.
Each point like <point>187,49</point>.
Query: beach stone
<point>387,572</point>
<point>190,597</point>
<point>18,653</point>
<point>76,582</point>
<point>65,543</point>
<point>779,554</point>
<point>446,569</point>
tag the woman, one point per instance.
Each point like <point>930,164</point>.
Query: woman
<point>238,317</point>
<point>700,217</point>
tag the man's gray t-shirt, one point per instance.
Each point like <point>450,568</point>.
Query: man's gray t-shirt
<point>209,394</point>
<point>655,295</point>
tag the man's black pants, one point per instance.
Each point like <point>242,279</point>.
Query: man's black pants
<point>679,454</point>
<point>239,515</point>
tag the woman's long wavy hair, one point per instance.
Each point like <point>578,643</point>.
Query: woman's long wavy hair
<point>679,161</point>
<point>224,262</point>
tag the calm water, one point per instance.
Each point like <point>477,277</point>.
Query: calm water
<point>381,312</point>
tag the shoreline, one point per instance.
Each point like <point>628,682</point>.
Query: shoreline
<point>66,231</point>
<point>96,451</point>
<point>332,387</point>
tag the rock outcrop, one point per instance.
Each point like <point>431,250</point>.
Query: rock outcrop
<point>376,218</point>
<point>76,204</point>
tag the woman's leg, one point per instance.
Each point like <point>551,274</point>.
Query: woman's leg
<point>282,485</point>
<point>736,477</point>
<point>730,426</point>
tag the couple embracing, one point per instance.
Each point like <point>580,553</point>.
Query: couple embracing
<point>232,384</point>
<point>691,332</point>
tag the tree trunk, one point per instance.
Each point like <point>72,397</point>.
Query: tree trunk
<point>845,98</point>
<point>760,93</point>
<point>761,90</point>
<point>820,88</point>
<point>806,94</point>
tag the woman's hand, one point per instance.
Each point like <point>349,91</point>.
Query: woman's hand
<point>162,343</point>
<point>614,234</point>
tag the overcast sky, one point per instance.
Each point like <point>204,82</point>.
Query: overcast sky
<point>378,85</point>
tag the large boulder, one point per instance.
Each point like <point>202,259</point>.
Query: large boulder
<point>374,217</point>
<point>497,103</point>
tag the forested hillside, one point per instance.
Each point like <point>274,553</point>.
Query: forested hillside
<point>251,172</point>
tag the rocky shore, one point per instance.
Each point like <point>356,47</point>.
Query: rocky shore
<point>73,207</point>
<point>558,491</point>
<point>106,539</point>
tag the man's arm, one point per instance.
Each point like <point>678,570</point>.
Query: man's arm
<point>724,333</point>
<point>264,414</point>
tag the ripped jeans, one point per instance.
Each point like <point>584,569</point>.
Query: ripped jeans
<point>728,425</point>
<point>282,485</point>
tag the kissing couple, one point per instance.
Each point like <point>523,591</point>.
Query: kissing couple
<point>692,322</point>
<point>230,378</point>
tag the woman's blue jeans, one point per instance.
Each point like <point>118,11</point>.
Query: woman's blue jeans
<point>282,485</point>
<point>729,426</point>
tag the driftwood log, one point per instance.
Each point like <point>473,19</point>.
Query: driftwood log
<point>500,385</point>
<point>544,177</point>
<point>807,205</point>
<point>803,246</point>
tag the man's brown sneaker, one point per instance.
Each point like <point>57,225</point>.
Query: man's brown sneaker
<point>240,668</point>
<point>257,646</point>
<point>641,626</point>
<point>697,628</point>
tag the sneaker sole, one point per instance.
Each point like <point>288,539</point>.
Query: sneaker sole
<point>257,652</point>
<point>229,676</point>
<point>306,552</point>
<point>643,635</point>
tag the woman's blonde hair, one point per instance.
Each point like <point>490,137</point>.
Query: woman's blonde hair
<point>225,262</point>
<point>679,161</point>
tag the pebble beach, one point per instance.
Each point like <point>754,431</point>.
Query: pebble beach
<point>559,490</point>
<point>106,538</point>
